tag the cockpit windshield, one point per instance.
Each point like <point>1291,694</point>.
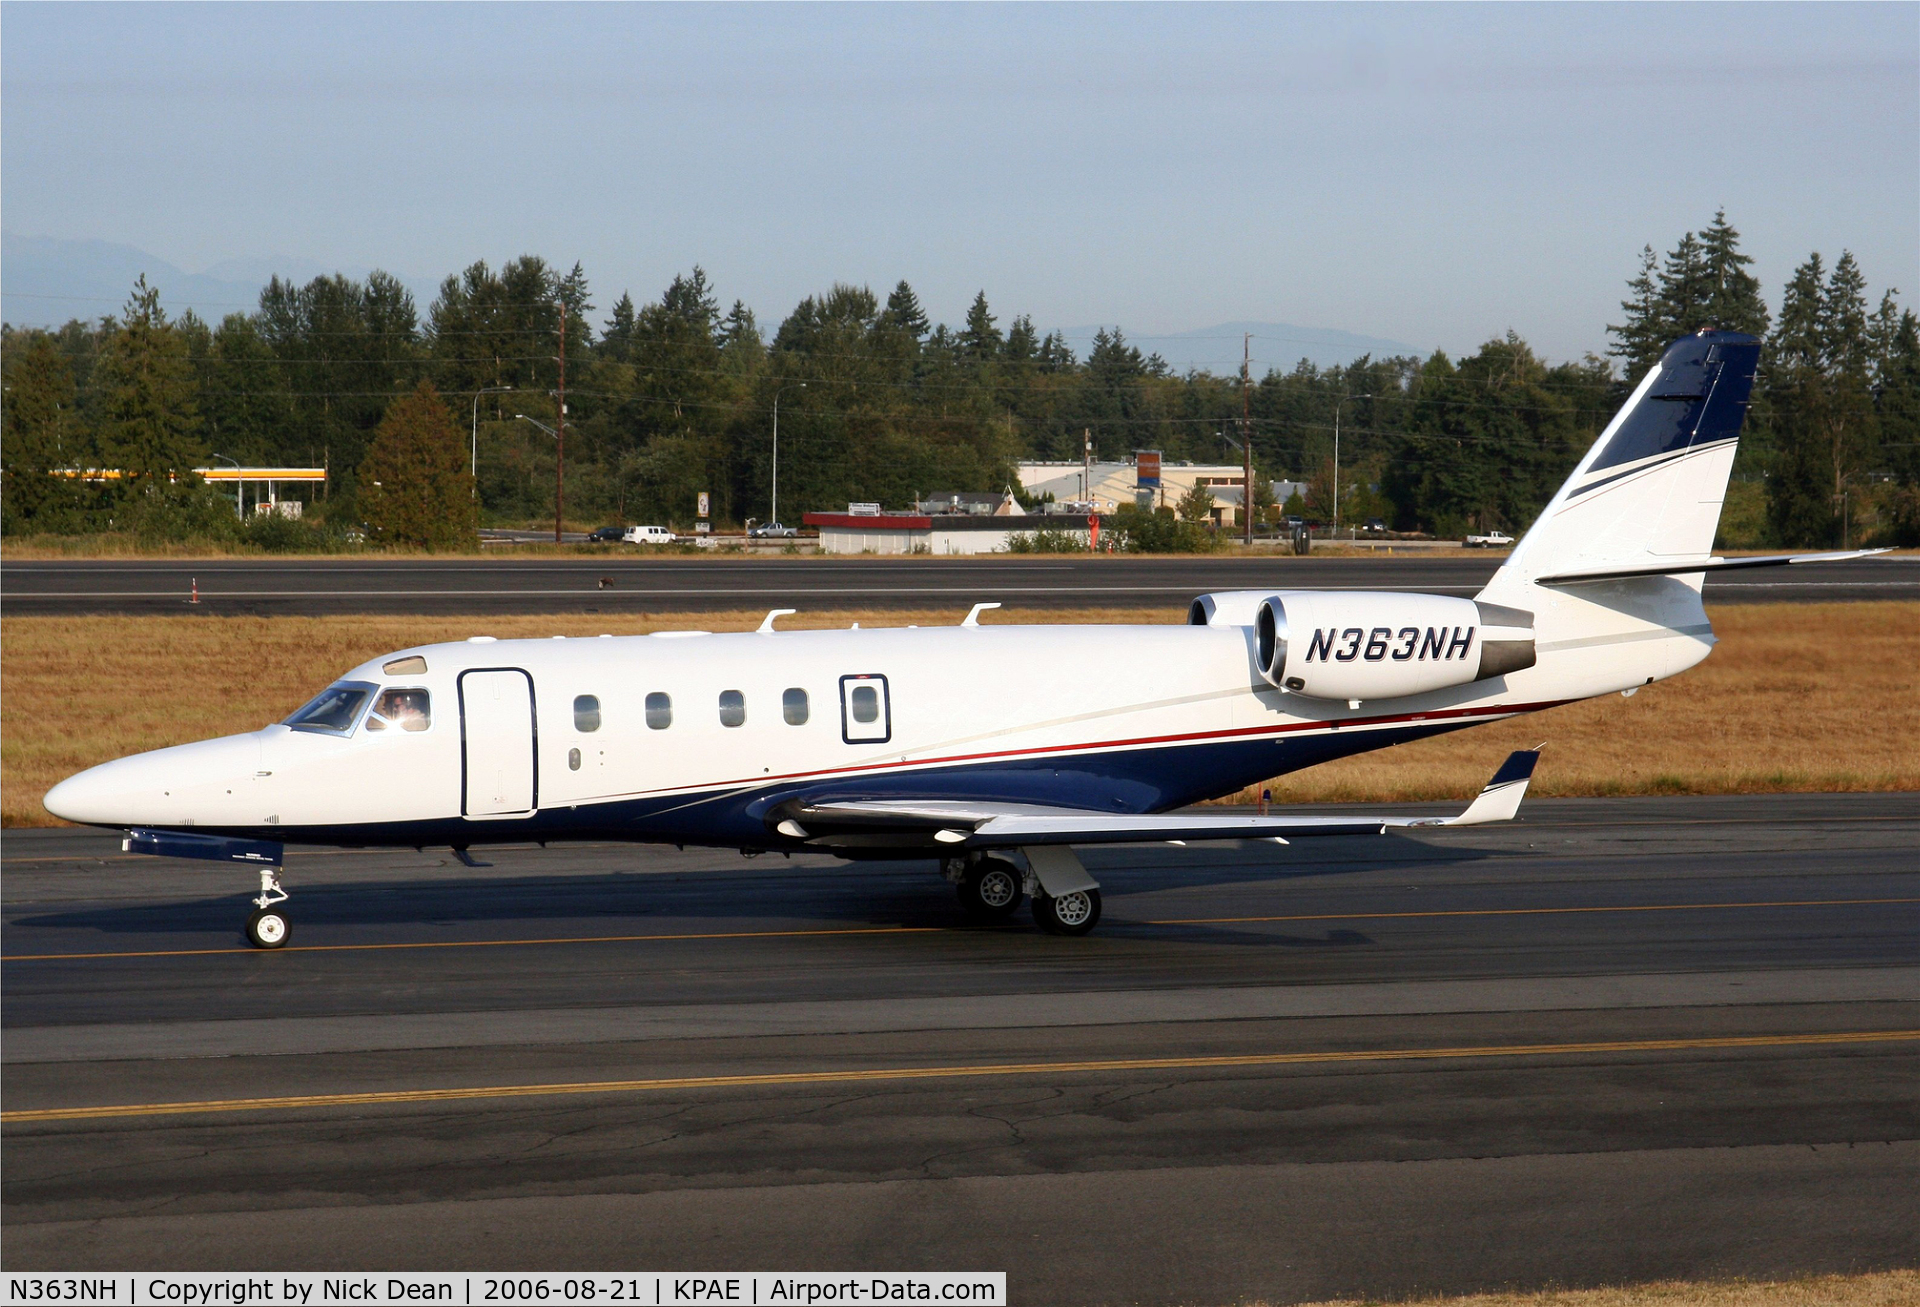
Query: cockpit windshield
<point>334,710</point>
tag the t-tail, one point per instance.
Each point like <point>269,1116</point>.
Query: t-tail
<point>1619,554</point>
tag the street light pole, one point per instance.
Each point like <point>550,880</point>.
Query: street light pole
<point>239,488</point>
<point>484,390</point>
<point>1336,466</point>
<point>774,515</point>
<point>560,436</point>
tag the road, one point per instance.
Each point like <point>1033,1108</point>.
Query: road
<point>623,583</point>
<point>1620,1040</point>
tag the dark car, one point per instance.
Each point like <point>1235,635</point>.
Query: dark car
<point>1375,526</point>
<point>609,534</point>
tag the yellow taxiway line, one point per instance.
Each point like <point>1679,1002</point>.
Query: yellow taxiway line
<point>383,1098</point>
<point>931,930</point>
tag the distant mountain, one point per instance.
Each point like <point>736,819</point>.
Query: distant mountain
<point>45,281</point>
<point>1275,345</point>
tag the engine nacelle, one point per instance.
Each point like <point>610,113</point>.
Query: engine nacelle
<point>1227,608</point>
<point>1358,645</point>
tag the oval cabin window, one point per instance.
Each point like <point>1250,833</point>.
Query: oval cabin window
<point>733,708</point>
<point>866,703</point>
<point>793,707</point>
<point>586,713</point>
<point>659,711</point>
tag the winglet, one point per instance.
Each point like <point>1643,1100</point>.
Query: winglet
<point>1500,800</point>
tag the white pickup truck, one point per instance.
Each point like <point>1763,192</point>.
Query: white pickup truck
<point>1491,540</point>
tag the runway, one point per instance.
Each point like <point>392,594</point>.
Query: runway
<point>1619,1040</point>
<point>619,583</point>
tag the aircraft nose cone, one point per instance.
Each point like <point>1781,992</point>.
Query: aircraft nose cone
<point>86,798</point>
<point>185,783</point>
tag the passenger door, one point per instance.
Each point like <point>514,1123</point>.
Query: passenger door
<point>866,715</point>
<point>499,775</point>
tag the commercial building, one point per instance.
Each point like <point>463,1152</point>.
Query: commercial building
<point>1146,481</point>
<point>935,533</point>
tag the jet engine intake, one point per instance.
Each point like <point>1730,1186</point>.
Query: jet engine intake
<point>1359,645</point>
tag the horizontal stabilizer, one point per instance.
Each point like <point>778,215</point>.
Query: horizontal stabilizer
<point>1667,568</point>
<point>206,848</point>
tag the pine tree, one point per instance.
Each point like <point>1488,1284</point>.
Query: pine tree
<point>980,339</point>
<point>150,423</point>
<point>1023,345</point>
<point>1641,339</point>
<point>38,434</point>
<point>1896,380</point>
<point>1733,294</point>
<point>740,331</point>
<point>692,300</point>
<point>1196,505</point>
<point>415,487</point>
<point>1683,287</point>
<point>903,312</point>
<point>1702,282</point>
<point>617,337</point>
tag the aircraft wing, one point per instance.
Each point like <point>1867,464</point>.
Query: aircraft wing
<point>852,823</point>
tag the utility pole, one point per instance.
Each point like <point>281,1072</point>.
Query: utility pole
<point>1086,476</point>
<point>1246,438</point>
<point>560,438</point>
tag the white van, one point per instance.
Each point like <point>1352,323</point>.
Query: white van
<point>648,535</point>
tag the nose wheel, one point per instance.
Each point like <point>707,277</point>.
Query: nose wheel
<point>268,926</point>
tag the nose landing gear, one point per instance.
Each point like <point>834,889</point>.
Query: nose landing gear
<point>268,926</point>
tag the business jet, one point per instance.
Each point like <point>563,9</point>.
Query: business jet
<point>993,749</point>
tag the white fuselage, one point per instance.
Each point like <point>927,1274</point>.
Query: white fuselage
<point>1111,718</point>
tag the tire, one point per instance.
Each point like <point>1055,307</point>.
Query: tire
<point>992,888</point>
<point>268,928</point>
<point>1070,914</point>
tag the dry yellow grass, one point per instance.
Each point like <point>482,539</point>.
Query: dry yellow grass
<point>1797,697</point>
<point>1885,1289</point>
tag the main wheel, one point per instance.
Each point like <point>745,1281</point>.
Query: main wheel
<point>992,888</point>
<point>268,928</point>
<point>1070,914</point>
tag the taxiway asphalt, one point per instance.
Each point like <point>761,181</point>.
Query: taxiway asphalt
<point>1619,1040</point>
<point>621,582</point>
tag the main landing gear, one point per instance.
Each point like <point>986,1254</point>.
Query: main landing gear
<point>1066,901</point>
<point>268,927</point>
<point>991,888</point>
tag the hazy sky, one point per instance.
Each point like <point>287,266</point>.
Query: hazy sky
<point>1432,173</point>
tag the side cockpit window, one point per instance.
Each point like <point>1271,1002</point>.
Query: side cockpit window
<point>334,710</point>
<point>408,709</point>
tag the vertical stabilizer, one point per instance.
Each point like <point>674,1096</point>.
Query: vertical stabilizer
<point>1650,489</point>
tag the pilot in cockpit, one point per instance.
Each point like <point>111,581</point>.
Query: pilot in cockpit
<point>407,709</point>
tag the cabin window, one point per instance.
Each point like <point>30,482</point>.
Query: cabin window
<point>793,707</point>
<point>410,710</point>
<point>865,702</point>
<point>733,708</point>
<point>333,710</point>
<point>659,711</point>
<point>586,712</point>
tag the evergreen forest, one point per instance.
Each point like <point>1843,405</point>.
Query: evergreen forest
<point>678,396</point>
